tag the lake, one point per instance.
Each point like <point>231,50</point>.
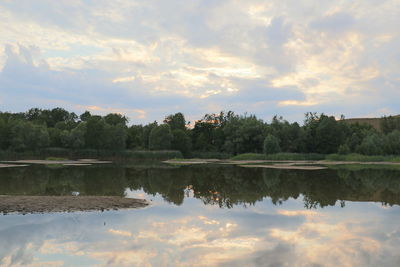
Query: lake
<point>207,215</point>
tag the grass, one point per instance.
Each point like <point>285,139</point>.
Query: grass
<point>209,155</point>
<point>249,156</point>
<point>55,159</point>
<point>117,155</point>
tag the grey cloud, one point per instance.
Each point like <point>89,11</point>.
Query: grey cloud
<point>283,254</point>
<point>278,32</point>
<point>336,23</point>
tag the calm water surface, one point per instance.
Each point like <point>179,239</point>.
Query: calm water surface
<point>208,215</point>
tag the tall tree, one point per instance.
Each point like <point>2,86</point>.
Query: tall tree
<point>176,121</point>
<point>181,141</point>
<point>160,137</point>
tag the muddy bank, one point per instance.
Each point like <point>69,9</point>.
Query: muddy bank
<point>44,204</point>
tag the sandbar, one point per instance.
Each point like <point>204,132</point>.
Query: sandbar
<point>46,204</point>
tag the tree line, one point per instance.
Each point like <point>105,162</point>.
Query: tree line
<point>225,132</point>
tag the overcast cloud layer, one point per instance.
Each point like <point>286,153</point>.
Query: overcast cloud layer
<point>150,58</point>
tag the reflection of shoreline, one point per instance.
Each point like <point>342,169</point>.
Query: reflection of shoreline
<point>45,204</point>
<point>222,185</point>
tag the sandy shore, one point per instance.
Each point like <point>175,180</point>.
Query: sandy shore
<point>44,204</point>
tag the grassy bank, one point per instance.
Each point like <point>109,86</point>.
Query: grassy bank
<point>209,155</point>
<point>119,155</point>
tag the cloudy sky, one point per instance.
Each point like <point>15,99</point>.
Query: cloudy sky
<point>150,58</point>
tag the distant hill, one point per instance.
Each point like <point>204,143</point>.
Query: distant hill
<point>374,122</point>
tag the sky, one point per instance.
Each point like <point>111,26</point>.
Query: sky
<point>148,59</point>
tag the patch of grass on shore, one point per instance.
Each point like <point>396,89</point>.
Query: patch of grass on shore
<point>210,155</point>
<point>55,153</point>
<point>55,159</point>
<point>186,159</point>
<point>249,156</point>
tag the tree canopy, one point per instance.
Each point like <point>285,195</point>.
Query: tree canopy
<point>224,132</point>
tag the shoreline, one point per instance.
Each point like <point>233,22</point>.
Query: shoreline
<point>320,162</point>
<point>280,164</point>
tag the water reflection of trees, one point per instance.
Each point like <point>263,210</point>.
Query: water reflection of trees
<point>225,186</point>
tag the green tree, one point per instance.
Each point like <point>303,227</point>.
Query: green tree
<point>271,145</point>
<point>244,134</point>
<point>115,119</point>
<point>357,133</point>
<point>176,121</point>
<point>203,136</point>
<point>371,145</point>
<point>75,138</point>
<point>392,143</point>
<point>114,137</point>
<point>160,137</point>
<point>135,137</point>
<point>290,135</point>
<point>181,141</point>
<point>344,149</point>
<point>323,134</point>
<point>28,136</point>
<point>389,124</point>
<point>85,116</point>
<point>95,126</point>
<point>146,133</point>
